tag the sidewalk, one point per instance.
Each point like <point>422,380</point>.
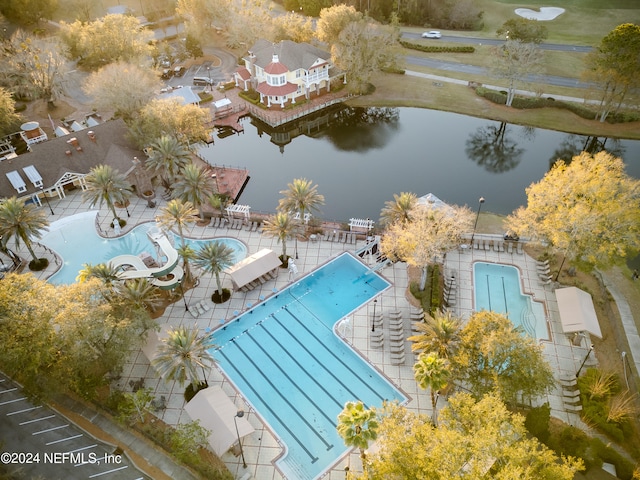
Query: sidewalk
<point>438,78</point>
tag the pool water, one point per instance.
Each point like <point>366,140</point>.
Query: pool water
<point>75,239</point>
<point>285,358</point>
<point>497,288</point>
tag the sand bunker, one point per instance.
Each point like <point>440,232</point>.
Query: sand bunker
<point>545,13</point>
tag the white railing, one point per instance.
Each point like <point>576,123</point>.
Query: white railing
<point>316,77</point>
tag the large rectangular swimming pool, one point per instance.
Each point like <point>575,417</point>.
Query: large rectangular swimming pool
<point>285,358</point>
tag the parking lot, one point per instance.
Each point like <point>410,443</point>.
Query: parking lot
<point>35,441</point>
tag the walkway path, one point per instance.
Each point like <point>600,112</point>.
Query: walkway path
<point>439,78</point>
<point>628,323</point>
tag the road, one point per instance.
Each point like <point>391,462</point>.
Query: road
<point>476,70</point>
<point>497,41</point>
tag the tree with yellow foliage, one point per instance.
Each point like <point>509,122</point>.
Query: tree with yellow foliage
<point>475,439</point>
<point>586,210</point>
<point>427,236</point>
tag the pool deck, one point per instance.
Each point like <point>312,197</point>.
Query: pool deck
<point>261,447</point>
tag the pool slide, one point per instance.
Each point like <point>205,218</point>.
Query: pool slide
<point>140,270</point>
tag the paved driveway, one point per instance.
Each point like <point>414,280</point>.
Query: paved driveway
<point>37,442</point>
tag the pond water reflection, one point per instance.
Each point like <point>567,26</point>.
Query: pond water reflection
<point>360,157</point>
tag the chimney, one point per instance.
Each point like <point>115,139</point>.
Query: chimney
<point>92,136</point>
<point>73,141</point>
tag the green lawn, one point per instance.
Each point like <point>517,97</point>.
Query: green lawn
<point>596,4</point>
<point>584,22</point>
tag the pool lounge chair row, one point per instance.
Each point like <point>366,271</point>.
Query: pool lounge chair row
<point>270,275</point>
<point>497,245</point>
<point>235,224</point>
<point>199,309</point>
<point>450,292</point>
<point>340,237</point>
<point>544,272</point>
<point>397,338</point>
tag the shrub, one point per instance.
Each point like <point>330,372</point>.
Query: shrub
<point>438,48</point>
<point>430,297</point>
<point>603,453</point>
<point>537,422</point>
<point>250,96</point>
<point>38,265</point>
<point>205,97</point>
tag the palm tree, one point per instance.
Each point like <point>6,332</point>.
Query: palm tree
<point>22,221</point>
<point>181,353</point>
<point>398,209</point>
<point>358,426</point>
<point>140,293</point>
<point>102,271</point>
<point>167,157</point>
<point>300,197</point>
<point>432,372</point>
<point>194,185</point>
<point>280,226</point>
<point>177,214</point>
<point>439,334</point>
<point>214,257</point>
<point>219,202</point>
<point>106,185</point>
<point>187,254</point>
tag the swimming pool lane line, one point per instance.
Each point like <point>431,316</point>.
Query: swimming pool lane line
<point>266,405</point>
<point>333,354</point>
<point>288,377</point>
<point>337,402</point>
<point>304,347</point>
<point>488,292</point>
<point>504,295</point>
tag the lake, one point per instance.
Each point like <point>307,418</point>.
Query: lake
<point>360,157</point>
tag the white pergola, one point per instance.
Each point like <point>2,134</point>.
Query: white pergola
<point>241,209</point>
<point>363,223</point>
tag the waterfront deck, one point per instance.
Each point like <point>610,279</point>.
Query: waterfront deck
<point>273,116</point>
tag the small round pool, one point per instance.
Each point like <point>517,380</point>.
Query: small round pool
<point>75,239</point>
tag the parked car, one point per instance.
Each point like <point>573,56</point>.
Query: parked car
<point>202,81</point>
<point>167,73</point>
<point>179,71</point>
<point>432,34</point>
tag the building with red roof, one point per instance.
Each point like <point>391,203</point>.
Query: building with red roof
<point>286,71</point>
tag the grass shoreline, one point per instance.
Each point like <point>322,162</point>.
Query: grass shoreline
<point>393,90</point>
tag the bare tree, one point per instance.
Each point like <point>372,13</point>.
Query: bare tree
<point>122,87</point>
<point>513,61</point>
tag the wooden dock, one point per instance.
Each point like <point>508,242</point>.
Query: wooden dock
<point>229,181</point>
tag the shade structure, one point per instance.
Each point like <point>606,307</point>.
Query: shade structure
<point>253,267</point>
<point>217,413</point>
<point>577,313</point>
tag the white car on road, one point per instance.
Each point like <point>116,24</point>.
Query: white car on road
<point>432,34</point>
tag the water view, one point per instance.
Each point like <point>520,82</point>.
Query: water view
<point>360,157</point>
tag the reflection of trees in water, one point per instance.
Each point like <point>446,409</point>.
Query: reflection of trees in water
<point>491,148</point>
<point>362,129</point>
<point>573,145</point>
